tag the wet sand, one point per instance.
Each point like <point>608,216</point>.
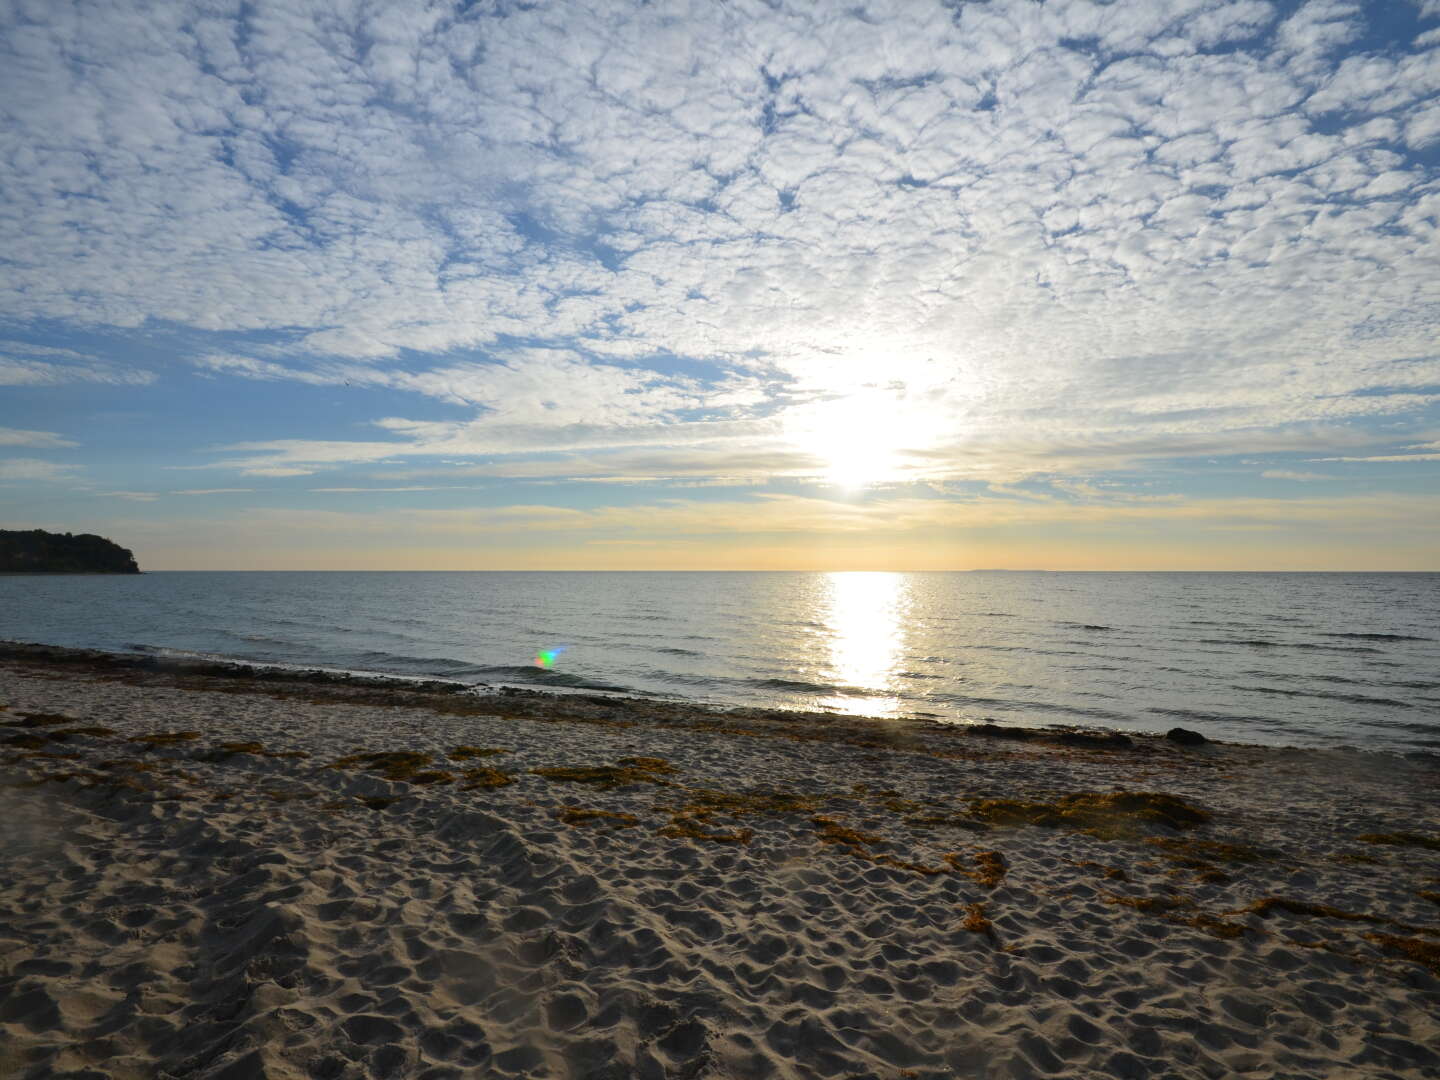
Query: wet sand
<point>209,873</point>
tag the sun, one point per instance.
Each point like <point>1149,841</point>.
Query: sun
<point>858,437</point>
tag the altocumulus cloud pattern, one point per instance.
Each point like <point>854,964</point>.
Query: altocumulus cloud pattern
<point>1073,233</point>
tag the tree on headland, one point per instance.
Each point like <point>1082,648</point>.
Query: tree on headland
<point>38,551</point>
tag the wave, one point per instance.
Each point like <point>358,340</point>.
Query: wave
<point>1216,717</point>
<point>1349,699</point>
<point>1261,643</point>
<point>1379,637</point>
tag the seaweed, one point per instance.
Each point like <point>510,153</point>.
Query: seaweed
<point>1216,927</point>
<point>1151,903</point>
<point>96,731</point>
<point>1190,851</point>
<point>947,821</point>
<point>851,840</point>
<point>1109,815</point>
<point>396,765</point>
<point>1402,839</point>
<point>976,921</point>
<point>1424,953</point>
<point>685,827</point>
<point>577,815</point>
<point>484,778</point>
<point>989,869</point>
<point>703,803</point>
<point>226,750</point>
<point>466,753</point>
<point>649,764</point>
<point>1267,905</point>
<point>38,720</point>
<point>1426,894</point>
<point>856,843</point>
<point>628,772</point>
<point>165,738</point>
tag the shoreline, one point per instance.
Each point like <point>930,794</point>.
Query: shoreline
<point>262,672</point>
<point>224,875</point>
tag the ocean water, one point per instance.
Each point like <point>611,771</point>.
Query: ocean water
<point>1281,659</point>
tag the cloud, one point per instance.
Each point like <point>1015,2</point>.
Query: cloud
<point>275,471</point>
<point>1014,229</point>
<point>40,440</point>
<point>32,470</point>
<point>151,496</point>
<point>21,372</point>
<point>1292,474</point>
<point>894,520</point>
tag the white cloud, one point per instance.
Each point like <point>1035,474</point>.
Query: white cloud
<point>1292,474</point>
<point>266,470</point>
<point>15,371</point>
<point>32,470</point>
<point>40,440</point>
<point>1025,229</point>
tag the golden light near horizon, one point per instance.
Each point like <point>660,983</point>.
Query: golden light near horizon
<point>865,621</point>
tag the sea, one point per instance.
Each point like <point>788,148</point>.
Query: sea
<point>1299,659</point>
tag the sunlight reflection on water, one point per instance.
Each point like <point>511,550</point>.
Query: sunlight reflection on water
<point>865,617</point>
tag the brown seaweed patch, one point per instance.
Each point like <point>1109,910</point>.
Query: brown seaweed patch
<point>466,753</point>
<point>685,827</point>
<point>38,720</point>
<point>1152,904</point>
<point>1361,860</point>
<point>484,778</point>
<point>1216,927</point>
<point>1402,839</point>
<point>95,731</point>
<point>856,843</point>
<point>396,765</point>
<point>1270,904</point>
<point>579,815</point>
<point>989,869</point>
<point>704,803</point>
<point>26,741</point>
<point>852,841</point>
<point>1424,953</point>
<point>227,750</point>
<point>1190,851</point>
<point>1110,815</point>
<point>165,738</point>
<point>649,764</point>
<point>280,795</point>
<point>946,821</point>
<point>1426,894</point>
<point>628,772</point>
<point>976,921</point>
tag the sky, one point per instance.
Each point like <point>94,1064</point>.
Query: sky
<point>1151,284</point>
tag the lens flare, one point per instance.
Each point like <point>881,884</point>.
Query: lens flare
<point>546,658</point>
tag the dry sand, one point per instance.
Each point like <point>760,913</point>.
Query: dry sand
<point>777,896</point>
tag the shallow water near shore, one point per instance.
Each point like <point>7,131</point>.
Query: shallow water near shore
<point>1283,659</point>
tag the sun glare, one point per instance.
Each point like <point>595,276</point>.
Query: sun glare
<point>865,620</point>
<point>857,438</point>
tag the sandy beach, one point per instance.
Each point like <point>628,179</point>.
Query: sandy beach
<point>212,874</point>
